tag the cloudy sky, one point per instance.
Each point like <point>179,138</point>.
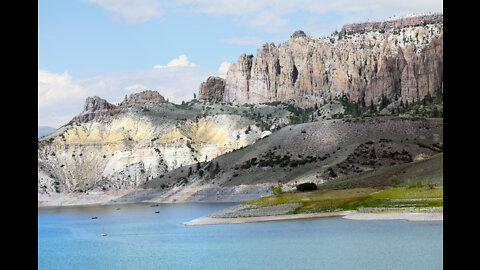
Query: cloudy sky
<point>110,48</point>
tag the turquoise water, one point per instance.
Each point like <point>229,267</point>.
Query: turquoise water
<point>138,238</point>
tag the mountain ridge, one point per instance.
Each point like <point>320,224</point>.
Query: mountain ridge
<point>396,59</point>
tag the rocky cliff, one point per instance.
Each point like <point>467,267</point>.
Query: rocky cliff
<point>212,88</point>
<point>396,58</point>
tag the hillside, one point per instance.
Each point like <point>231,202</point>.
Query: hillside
<point>347,111</point>
<point>319,152</point>
<point>110,147</point>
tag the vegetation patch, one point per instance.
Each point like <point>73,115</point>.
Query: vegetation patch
<point>355,199</point>
<point>307,187</point>
<point>409,193</point>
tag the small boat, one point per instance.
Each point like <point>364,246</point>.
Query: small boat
<point>156,212</point>
<point>103,234</point>
<point>154,205</point>
<point>118,208</point>
<point>94,217</point>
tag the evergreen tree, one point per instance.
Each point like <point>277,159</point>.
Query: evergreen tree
<point>372,106</point>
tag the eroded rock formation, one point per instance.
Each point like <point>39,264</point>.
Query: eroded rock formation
<point>393,62</point>
<point>98,108</point>
<point>212,88</point>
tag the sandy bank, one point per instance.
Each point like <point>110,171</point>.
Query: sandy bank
<point>395,216</point>
<point>353,215</point>
<point>212,221</point>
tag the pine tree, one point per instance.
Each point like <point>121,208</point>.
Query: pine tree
<point>372,106</point>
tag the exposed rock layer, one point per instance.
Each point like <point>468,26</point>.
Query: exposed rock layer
<point>407,63</point>
<point>112,152</point>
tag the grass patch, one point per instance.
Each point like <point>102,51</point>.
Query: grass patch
<point>353,199</point>
<point>409,193</point>
<point>315,201</point>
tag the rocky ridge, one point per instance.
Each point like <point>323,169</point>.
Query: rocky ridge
<point>400,58</point>
<point>407,21</point>
<point>97,108</point>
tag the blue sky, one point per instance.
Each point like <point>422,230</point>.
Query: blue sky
<point>110,48</point>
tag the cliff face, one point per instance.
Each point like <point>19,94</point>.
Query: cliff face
<point>212,88</point>
<point>405,62</point>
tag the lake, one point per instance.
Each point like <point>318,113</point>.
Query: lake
<point>139,238</point>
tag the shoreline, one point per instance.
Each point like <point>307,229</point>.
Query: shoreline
<point>215,221</point>
<point>351,215</point>
<point>409,216</point>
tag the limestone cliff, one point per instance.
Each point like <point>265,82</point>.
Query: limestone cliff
<point>396,58</point>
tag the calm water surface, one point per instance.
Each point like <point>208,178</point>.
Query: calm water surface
<point>138,238</point>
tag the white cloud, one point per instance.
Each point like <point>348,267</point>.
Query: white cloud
<point>181,61</point>
<point>223,69</point>
<point>132,11</point>
<point>273,16</point>
<point>57,88</point>
<point>268,21</point>
<point>58,97</point>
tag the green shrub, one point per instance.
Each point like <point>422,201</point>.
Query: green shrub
<point>430,183</point>
<point>277,190</point>
<point>307,186</point>
<point>410,183</point>
<point>393,180</point>
<point>419,184</point>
